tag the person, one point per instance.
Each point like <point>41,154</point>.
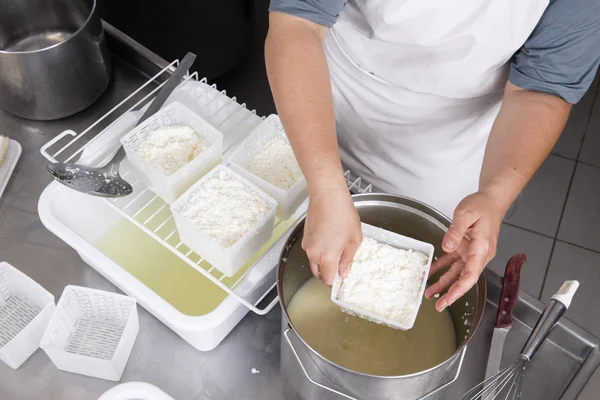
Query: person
<point>453,103</point>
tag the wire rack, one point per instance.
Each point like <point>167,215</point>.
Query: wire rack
<point>148,211</point>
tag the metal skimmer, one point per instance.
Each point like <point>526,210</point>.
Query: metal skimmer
<point>105,181</point>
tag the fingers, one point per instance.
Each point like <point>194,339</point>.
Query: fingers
<point>463,220</point>
<point>443,262</point>
<point>329,253</point>
<point>347,257</point>
<point>445,280</point>
<point>314,267</point>
<point>466,281</point>
<point>328,268</point>
<point>325,266</point>
<point>477,253</point>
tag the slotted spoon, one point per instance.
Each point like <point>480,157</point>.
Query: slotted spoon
<point>105,181</point>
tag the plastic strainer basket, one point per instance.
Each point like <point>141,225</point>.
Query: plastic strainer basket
<point>400,242</point>
<point>25,309</point>
<point>228,260</point>
<point>170,187</point>
<point>287,200</point>
<point>92,332</point>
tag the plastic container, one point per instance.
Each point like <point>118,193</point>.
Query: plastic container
<point>170,187</point>
<point>80,221</point>
<point>397,241</point>
<point>135,391</point>
<point>92,332</point>
<point>25,310</point>
<point>287,200</point>
<point>228,260</point>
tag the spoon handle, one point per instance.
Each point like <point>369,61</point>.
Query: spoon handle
<point>158,101</point>
<point>169,86</point>
<point>118,157</point>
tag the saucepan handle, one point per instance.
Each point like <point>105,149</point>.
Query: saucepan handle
<point>451,381</point>
<point>346,396</point>
<point>311,380</point>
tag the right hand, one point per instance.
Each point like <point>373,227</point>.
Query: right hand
<point>332,234</point>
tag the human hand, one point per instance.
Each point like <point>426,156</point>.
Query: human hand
<point>470,244</point>
<point>332,233</point>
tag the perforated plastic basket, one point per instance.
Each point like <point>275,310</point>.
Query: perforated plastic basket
<point>228,260</point>
<point>400,242</point>
<point>287,200</point>
<point>170,187</point>
<point>92,332</point>
<point>25,309</point>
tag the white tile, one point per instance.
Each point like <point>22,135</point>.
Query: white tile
<point>580,224</point>
<point>536,247</point>
<point>571,262</point>
<point>540,205</point>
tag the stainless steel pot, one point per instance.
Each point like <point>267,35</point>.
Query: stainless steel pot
<point>312,376</point>
<point>53,57</point>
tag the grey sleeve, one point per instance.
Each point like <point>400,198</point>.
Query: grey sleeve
<point>322,12</point>
<point>562,54</point>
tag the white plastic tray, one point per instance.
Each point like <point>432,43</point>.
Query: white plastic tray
<point>9,163</point>
<point>227,260</point>
<point>25,310</point>
<point>289,200</point>
<point>80,221</point>
<point>135,391</point>
<point>400,242</point>
<point>92,332</point>
<point>169,188</point>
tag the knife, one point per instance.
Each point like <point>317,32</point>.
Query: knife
<point>510,293</point>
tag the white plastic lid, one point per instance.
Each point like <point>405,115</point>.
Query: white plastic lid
<point>566,292</point>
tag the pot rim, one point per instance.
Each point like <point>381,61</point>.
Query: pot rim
<point>76,33</point>
<point>478,317</point>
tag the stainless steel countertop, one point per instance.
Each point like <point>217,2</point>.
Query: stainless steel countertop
<point>159,356</point>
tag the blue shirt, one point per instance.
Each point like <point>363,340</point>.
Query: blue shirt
<point>560,57</point>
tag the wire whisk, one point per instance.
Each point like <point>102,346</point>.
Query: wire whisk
<point>506,384</point>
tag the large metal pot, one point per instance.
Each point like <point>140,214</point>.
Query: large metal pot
<point>312,376</point>
<point>53,57</point>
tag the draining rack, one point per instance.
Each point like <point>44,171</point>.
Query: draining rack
<point>145,209</point>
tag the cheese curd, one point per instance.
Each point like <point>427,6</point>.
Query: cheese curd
<point>385,281</point>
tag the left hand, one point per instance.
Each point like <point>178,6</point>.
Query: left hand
<point>470,244</point>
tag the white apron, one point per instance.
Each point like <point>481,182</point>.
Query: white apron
<point>417,86</point>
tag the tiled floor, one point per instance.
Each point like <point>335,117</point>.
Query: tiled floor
<point>556,222</point>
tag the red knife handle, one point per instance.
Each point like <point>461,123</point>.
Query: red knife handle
<point>510,290</point>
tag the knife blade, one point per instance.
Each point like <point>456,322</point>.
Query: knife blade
<point>506,305</point>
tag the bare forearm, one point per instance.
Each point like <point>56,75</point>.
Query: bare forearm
<point>299,80</point>
<point>523,135</point>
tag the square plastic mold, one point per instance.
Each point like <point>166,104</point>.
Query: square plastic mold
<point>25,310</point>
<point>170,187</point>
<point>228,260</point>
<point>287,200</point>
<point>92,332</point>
<point>397,241</point>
